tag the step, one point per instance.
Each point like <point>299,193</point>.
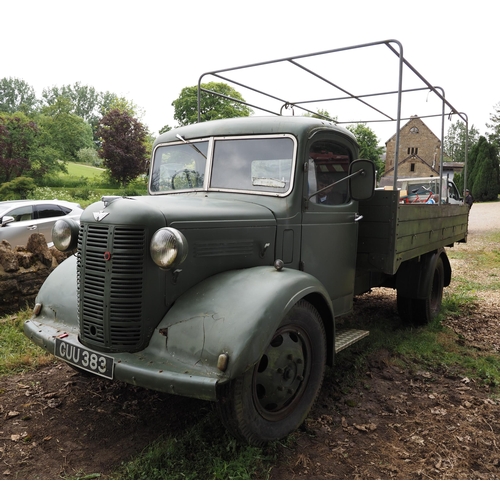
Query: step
<point>345,338</point>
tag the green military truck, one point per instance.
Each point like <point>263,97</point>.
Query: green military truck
<point>224,283</point>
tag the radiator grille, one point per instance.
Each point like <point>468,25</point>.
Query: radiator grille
<point>110,284</point>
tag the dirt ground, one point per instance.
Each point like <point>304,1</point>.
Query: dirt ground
<point>393,424</point>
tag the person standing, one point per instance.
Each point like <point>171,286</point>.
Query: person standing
<point>469,200</point>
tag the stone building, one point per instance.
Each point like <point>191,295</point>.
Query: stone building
<point>419,152</point>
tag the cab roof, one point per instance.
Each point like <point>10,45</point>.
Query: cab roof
<point>299,126</point>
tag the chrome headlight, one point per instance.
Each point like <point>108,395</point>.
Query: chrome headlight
<point>65,235</point>
<point>168,248</point>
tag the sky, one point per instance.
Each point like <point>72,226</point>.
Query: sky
<point>148,50</point>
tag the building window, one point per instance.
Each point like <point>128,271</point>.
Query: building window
<point>413,151</point>
<point>412,167</point>
<point>414,130</point>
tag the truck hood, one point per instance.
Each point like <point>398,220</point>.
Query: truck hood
<point>179,210</point>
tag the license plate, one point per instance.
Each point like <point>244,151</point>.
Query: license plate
<point>93,362</point>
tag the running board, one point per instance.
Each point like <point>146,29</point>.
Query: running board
<point>345,338</point>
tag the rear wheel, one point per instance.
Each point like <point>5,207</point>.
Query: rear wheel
<point>273,398</point>
<point>422,311</point>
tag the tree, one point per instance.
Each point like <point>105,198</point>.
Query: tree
<point>23,148</point>
<point>213,107</point>
<point>85,102</point>
<point>17,95</point>
<point>17,141</point>
<point>483,176</point>
<point>66,132</point>
<point>486,185</point>
<point>322,114</point>
<point>164,129</point>
<point>123,145</point>
<point>369,148</point>
<point>454,141</point>
<point>494,126</point>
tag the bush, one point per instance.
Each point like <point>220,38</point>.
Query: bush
<point>18,188</point>
<point>89,156</point>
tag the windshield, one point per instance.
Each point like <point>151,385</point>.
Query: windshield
<point>255,164</point>
<point>179,167</point>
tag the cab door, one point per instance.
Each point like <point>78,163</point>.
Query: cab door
<point>329,225</point>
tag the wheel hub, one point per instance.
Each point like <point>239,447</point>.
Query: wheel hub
<point>278,379</point>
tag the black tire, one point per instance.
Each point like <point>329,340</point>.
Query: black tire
<point>270,400</point>
<point>423,311</point>
<point>405,308</point>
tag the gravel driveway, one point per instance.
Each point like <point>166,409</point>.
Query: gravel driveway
<point>484,217</point>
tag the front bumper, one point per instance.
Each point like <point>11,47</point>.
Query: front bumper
<point>152,368</point>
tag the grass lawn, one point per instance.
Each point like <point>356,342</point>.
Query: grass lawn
<point>80,170</point>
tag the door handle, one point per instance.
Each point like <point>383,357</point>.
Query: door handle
<point>31,228</point>
<point>357,217</point>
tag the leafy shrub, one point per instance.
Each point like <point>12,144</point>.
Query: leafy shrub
<point>18,188</point>
<point>89,156</point>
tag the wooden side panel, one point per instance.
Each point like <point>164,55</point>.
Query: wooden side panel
<point>391,233</point>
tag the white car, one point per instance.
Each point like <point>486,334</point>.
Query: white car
<point>21,218</point>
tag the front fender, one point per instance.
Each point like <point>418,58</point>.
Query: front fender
<point>235,313</point>
<point>58,296</point>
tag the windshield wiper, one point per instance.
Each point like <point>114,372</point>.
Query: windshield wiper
<point>191,144</point>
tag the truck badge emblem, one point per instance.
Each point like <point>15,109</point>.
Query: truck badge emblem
<point>98,216</point>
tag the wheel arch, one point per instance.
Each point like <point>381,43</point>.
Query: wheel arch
<point>320,303</point>
<point>236,314</point>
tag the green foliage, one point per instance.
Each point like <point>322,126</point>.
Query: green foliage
<point>65,131</point>
<point>200,454</point>
<point>124,151</point>
<point>89,156</point>
<point>213,106</point>
<point>322,114</point>
<point>369,148</point>
<point>164,129</point>
<point>455,140</point>
<point>458,179</point>
<point>17,353</point>
<point>85,102</point>
<point>16,95</point>
<point>18,135</point>
<point>494,126</point>
<point>483,177</point>
<point>20,188</point>
<point>23,148</point>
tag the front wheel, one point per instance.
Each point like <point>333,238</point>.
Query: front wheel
<point>273,398</point>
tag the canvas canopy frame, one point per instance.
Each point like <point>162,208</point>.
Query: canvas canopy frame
<point>303,63</point>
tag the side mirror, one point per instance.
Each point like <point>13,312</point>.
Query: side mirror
<point>362,179</point>
<point>7,220</point>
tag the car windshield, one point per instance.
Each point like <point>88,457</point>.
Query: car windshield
<point>251,164</point>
